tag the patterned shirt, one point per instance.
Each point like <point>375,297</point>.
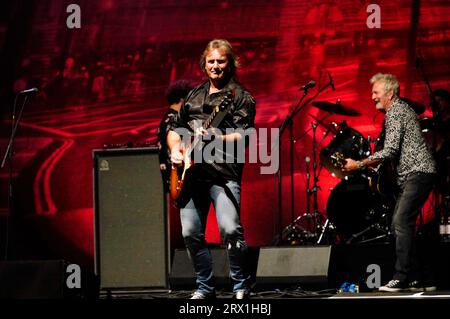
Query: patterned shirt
<point>404,143</point>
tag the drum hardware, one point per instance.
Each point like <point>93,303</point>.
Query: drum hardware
<point>357,207</point>
<point>358,212</point>
<point>305,229</point>
<point>288,121</point>
<point>326,226</point>
<point>354,145</point>
<point>331,127</point>
<point>380,226</point>
<point>318,225</point>
<point>336,108</point>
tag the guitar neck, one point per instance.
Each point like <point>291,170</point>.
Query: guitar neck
<point>206,125</point>
<point>214,119</point>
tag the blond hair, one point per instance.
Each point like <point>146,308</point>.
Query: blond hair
<point>221,44</point>
<point>390,82</point>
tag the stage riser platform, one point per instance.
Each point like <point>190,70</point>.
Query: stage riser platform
<point>304,266</point>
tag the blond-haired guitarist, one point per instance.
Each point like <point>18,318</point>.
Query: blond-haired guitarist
<point>216,182</point>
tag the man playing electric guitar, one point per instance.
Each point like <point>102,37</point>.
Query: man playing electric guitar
<point>416,172</point>
<point>217,182</point>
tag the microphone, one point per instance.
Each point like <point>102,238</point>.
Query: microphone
<point>33,90</point>
<point>331,81</point>
<point>308,85</point>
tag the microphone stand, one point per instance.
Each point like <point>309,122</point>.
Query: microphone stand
<point>9,153</point>
<point>288,122</point>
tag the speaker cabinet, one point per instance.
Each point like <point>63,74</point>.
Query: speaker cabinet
<point>290,265</point>
<point>131,238</point>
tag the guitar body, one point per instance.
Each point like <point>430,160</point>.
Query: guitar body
<point>178,174</point>
<point>384,179</point>
<point>381,179</point>
<point>176,182</point>
<point>177,178</point>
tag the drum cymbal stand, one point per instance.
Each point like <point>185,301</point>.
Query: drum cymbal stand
<point>315,188</point>
<point>306,227</point>
<point>316,225</point>
<point>288,122</point>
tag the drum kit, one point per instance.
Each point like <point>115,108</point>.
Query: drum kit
<point>357,212</point>
<point>359,208</point>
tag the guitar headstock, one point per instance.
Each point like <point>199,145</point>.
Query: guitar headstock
<point>338,160</point>
<point>226,101</point>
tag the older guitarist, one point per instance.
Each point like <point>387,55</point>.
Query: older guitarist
<point>218,182</point>
<point>416,172</point>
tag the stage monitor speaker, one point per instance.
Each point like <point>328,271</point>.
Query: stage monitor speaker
<point>131,239</point>
<point>182,273</point>
<point>291,265</point>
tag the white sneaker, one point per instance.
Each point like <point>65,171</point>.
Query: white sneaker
<point>393,286</point>
<point>201,295</point>
<point>242,294</point>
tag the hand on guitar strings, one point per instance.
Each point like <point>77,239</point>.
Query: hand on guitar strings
<point>208,135</point>
<point>176,156</point>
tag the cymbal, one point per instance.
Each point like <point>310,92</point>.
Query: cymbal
<point>336,108</point>
<point>419,108</point>
<point>331,127</point>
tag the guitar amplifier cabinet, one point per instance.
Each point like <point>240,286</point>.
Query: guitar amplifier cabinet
<point>130,220</point>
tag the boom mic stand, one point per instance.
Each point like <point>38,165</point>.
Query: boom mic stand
<point>9,153</point>
<point>288,122</point>
<point>315,188</point>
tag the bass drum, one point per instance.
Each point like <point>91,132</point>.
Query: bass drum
<point>352,207</point>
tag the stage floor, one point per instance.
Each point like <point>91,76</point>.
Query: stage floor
<point>282,295</point>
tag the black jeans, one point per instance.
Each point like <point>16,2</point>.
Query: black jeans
<point>412,196</point>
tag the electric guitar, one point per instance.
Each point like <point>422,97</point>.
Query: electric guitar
<point>338,162</point>
<point>178,172</point>
<point>381,179</point>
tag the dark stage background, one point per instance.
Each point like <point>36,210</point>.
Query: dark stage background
<point>103,84</point>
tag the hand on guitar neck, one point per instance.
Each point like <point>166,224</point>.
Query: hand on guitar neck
<point>346,164</point>
<point>349,165</point>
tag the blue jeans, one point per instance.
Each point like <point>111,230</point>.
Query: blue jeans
<point>412,197</point>
<point>226,201</point>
